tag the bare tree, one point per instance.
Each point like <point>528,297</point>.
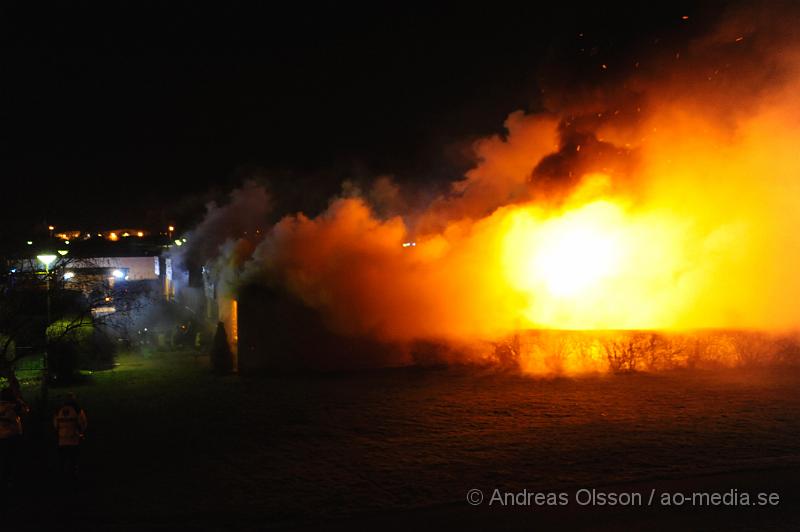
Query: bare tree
<point>43,309</point>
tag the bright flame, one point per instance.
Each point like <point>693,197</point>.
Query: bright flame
<point>603,264</point>
<point>572,254</point>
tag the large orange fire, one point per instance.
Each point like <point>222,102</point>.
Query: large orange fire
<point>679,210</point>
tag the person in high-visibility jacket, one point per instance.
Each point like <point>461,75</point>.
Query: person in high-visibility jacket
<point>70,423</point>
<point>11,409</point>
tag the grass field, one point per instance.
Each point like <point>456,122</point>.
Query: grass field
<point>171,445</point>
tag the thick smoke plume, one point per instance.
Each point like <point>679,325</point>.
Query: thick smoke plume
<point>666,199</point>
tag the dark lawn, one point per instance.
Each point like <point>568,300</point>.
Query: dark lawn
<point>171,445</point>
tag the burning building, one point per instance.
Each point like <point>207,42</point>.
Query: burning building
<point>664,198</point>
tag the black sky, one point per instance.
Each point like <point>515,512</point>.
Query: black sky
<point>134,112</point>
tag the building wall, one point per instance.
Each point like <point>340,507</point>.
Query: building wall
<point>278,333</point>
<point>138,268</point>
<point>228,312</point>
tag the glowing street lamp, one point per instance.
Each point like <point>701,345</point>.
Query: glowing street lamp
<point>47,260</point>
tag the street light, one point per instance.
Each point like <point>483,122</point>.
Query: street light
<point>46,259</point>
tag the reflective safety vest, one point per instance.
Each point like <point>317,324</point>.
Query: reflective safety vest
<point>70,425</point>
<point>10,422</point>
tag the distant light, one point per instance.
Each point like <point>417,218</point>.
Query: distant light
<point>178,242</point>
<point>112,236</point>
<point>51,227</point>
<point>126,234</point>
<point>66,242</point>
<point>409,244</point>
<point>30,242</point>
<point>118,274</point>
<point>69,275</point>
<point>171,227</point>
<point>47,260</point>
<point>62,252</point>
<point>106,299</point>
<point>13,270</point>
<point>184,239</point>
<point>140,234</point>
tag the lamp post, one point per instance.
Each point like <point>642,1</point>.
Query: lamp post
<point>47,260</point>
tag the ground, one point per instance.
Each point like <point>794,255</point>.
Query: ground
<point>172,445</point>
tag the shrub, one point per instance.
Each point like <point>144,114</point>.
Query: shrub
<point>221,356</point>
<point>74,344</point>
<point>63,360</point>
<point>7,348</point>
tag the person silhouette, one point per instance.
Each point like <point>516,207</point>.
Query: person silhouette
<point>70,423</point>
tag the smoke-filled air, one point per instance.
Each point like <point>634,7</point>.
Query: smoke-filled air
<point>666,198</point>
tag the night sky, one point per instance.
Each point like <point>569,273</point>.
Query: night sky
<point>139,113</point>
